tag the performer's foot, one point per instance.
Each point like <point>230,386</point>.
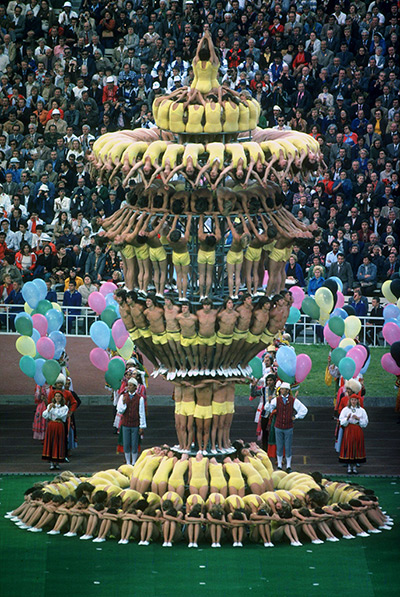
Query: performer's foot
<point>213,373</point>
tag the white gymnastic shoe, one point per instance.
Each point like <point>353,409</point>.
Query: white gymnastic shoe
<point>165,544</point>
<point>332,539</point>
<point>348,537</point>
<point>374,531</point>
<point>35,530</point>
<point>86,537</point>
<point>363,534</point>
<point>53,532</point>
<point>317,542</point>
<point>194,545</point>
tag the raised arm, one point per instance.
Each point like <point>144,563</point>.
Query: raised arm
<point>217,233</point>
<point>187,231</point>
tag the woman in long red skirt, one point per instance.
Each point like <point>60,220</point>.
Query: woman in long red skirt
<point>54,440</point>
<point>353,419</point>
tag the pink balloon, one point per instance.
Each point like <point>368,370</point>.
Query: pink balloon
<point>298,296</point>
<point>357,356</point>
<point>363,350</point>
<point>99,358</point>
<point>45,347</point>
<point>389,364</point>
<point>97,302</point>
<point>339,300</point>
<point>266,278</point>
<point>303,367</point>
<point>332,339</point>
<point>391,332</point>
<point>107,288</point>
<point>119,333</point>
<point>40,323</point>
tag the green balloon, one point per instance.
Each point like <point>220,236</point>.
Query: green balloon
<point>116,368</point>
<point>285,377</point>
<point>27,366</point>
<point>24,325</point>
<point>108,316</point>
<point>256,367</point>
<point>310,307</point>
<point>111,344</point>
<point>336,325</point>
<point>112,381</point>
<point>337,355</point>
<point>347,367</point>
<point>43,306</point>
<point>51,370</point>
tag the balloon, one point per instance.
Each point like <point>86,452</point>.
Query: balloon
<point>310,307</point>
<point>391,333</point>
<point>303,367</point>
<point>23,324</point>
<point>97,302</point>
<point>346,342</point>
<point>41,288</point>
<point>110,300</point>
<point>111,345</point>
<point>294,315</point>
<point>331,284</point>
<point>119,333</point>
<point>28,309</point>
<point>349,310</point>
<point>39,377</point>
<point>100,333</point>
<point>286,359</point>
<point>27,365</point>
<point>31,294</point>
<point>107,287</point>
<point>395,352</point>
<point>339,312</point>
<point>116,367</point>
<point>35,335</point>
<point>367,351</point>
<point>298,296</point>
<point>112,381</point>
<point>109,316</point>
<point>361,348</point>
<point>387,293</point>
<point>389,364</point>
<point>256,367</point>
<point>99,358</point>
<point>357,356</point>
<point>337,355</point>
<point>266,278</point>
<point>126,350</point>
<point>332,339</point>
<point>395,288</point>
<point>347,368</point>
<point>324,299</point>
<point>398,304</point>
<point>336,325</point>
<point>338,282</point>
<point>51,370</point>
<point>60,341</point>
<point>43,306</point>
<point>56,306</point>
<point>55,319</point>
<point>26,346</point>
<point>323,317</point>
<point>352,326</point>
<point>40,323</point>
<point>391,311</point>
<point>285,377</point>
<point>45,347</point>
<point>365,366</point>
<point>339,300</point>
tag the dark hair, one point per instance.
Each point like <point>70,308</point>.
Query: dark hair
<point>100,497</point>
<point>177,207</point>
<point>175,236</point>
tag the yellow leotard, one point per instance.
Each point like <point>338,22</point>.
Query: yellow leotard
<point>280,255</point>
<point>235,501</point>
<point>142,252</point>
<point>231,123</point>
<point>255,151</point>
<point>254,112</point>
<point>177,476</point>
<point>157,254</point>
<point>240,334</point>
<point>269,246</point>
<point>176,123</point>
<point>214,76</point>
<point>195,116</point>
<point>192,150</point>
<point>204,76</point>
<point>213,119</point>
<point>224,338</point>
<point>154,150</point>
<point>163,471</point>
<point>244,118</point>
<point>291,149</point>
<point>217,478</point>
<point>116,150</point>
<point>263,456</point>
<point>230,407</point>
<point>151,465</point>
<point>171,154</point>
<point>160,338</point>
<point>271,148</point>
<point>216,153</point>
<point>267,337</point>
<point>174,335</point>
<point>163,114</point>
<point>206,257</point>
<point>260,468</point>
<point>254,500</point>
<point>235,476</point>
<point>198,477</point>
<point>134,150</point>
<point>237,152</point>
<point>250,473</point>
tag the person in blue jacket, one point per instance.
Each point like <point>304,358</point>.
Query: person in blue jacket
<point>73,300</point>
<point>316,281</point>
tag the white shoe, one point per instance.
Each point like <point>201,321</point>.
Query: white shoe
<point>317,542</point>
<point>213,373</point>
<point>363,534</point>
<point>35,530</point>
<point>53,532</point>
<point>165,544</point>
<point>271,545</point>
<point>9,515</point>
<point>99,540</point>
<point>218,545</point>
<point>348,537</point>
<point>204,452</point>
<point>332,539</point>
<point>14,519</point>
<point>239,544</point>
<point>374,531</point>
<point>86,537</point>
<point>140,543</point>
<point>23,526</point>
<point>214,452</point>
<point>70,534</point>
<point>146,543</point>
<point>213,545</point>
<point>207,372</point>
<point>194,545</point>
<point>234,544</point>
<point>386,527</point>
<point>190,545</point>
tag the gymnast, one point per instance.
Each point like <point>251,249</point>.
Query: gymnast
<point>180,254</point>
<point>234,257</point>
<point>214,164</point>
<point>206,255</point>
<point>238,165</point>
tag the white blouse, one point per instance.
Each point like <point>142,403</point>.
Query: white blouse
<point>358,412</point>
<point>57,412</point>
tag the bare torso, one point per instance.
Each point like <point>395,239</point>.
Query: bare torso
<point>187,324</point>
<point>227,320</point>
<point>171,318</point>
<point>245,315</point>
<point>155,317</point>
<point>126,316</point>
<point>207,321</point>
<point>137,313</point>
<point>260,321</point>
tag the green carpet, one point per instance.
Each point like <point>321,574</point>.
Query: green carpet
<point>37,565</point>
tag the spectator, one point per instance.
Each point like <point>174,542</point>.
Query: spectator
<point>73,300</point>
<point>95,264</point>
<point>342,269</point>
<point>316,281</point>
<point>376,313</point>
<point>366,276</point>
<point>359,303</point>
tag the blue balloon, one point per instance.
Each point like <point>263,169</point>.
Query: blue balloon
<point>338,312</point>
<point>294,315</point>
<point>100,334</point>
<point>367,362</point>
<point>347,348</point>
<point>117,311</point>
<point>286,359</point>
<point>41,288</point>
<point>35,335</point>
<point>339,282</point>
<point>55,319</point>
<point>31,294</point>
<point>110,300</point>
<point>39,377</point>
<point>392,320</point>
<point>60,341</point>
<point>391,311</point>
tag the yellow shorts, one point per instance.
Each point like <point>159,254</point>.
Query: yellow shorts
<point>175,336</point>
<point>279,255</point>
<point>144,332</point>
<point>253,254</point>
<point>157,254</point>
<point>134,334</point>
<point>178,408</point>
<point>160,338</point>
<point>224,339</point>
<point>207,341</point>
<point>240,334</point>
<point>218,408</point>
<point>229,407</point>
<point>187,408</point>
<point>206,257</point>
<point>268,248</point>
<point>267,337</point>
<point>142,253</point>
<point>233,257</point>
<point>128,251</point>
<point>188,341</point>
<point>252,338</point>
<point>180,258</point>
<point>203,412</point>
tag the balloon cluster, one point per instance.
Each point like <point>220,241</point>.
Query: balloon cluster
<point>41,342</point>
<point>327,298</point>
<point>298,297</point>
<point>391,330</point>
<point>110,336</point>
<point>292,368</point>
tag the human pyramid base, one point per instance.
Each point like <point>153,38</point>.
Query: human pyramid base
<point>169,498</point>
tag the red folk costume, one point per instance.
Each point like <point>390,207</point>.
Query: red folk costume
<point>54,440</point>
<point>353,420</point>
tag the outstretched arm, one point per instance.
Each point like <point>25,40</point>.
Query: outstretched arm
<point>217,229</point>
<point>221,176</point>
<point>157,229</point>
<point>173,172</point>
<point>188,224</point>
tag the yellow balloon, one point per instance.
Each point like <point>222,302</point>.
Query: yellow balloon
<point>26,346</point>
<point>389,296</point>
<point>27,309</point>
<point>323,316</point>
<point>56,306</point>
<point>324,299</point>
<point>346,342</point>
<point>352,326</point>
<point>126,350</point>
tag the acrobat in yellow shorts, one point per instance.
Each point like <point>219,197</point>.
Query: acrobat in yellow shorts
<point>144,332</point>
<point>240,334</point>
<point>234,257</point>
<point>206,257</point>
<point>203,412</point>
<point>229,407</point>
<point>175,336</point>
<point>157,254</point>
<point>128,251</point>
<point>268,247</point>
<point>160,338</point>
<point>180,258</point>
<point>178,408</point>
<point>267,337</point>
<point>134,334</point>
<point>188,341</point>
<point>187,408</point>
<point>218,408</point>
<point>204,341</point>
<point>224,338</point>
<point>280,255</point>
<point>142,253</point>
<point>253,338</point>
<point>253,254</point>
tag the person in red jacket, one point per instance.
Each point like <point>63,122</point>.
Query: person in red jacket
<point>25,260</point>
<point>110,91</point>
<point>69,400</point>
<point>3,247</point>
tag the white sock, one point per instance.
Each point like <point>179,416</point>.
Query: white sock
<point>288,461</point>
<point>134,457</point>
<point>279,459</point>
<point>127,457</point>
